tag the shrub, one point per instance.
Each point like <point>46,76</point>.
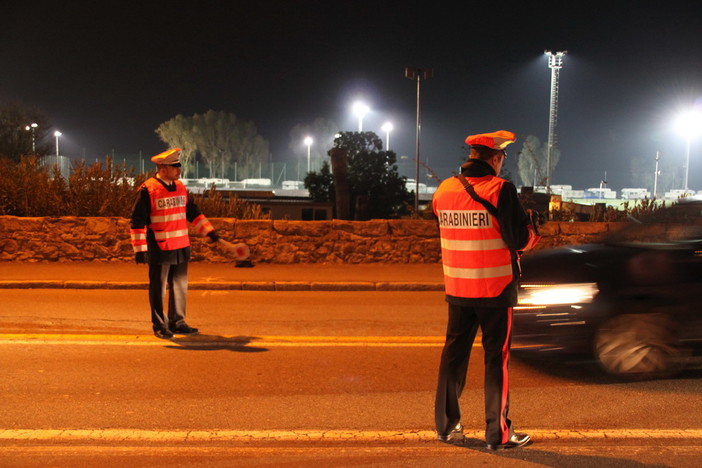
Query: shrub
<point>101,191</point>
<point>28,188</point>
<point>599,213</point>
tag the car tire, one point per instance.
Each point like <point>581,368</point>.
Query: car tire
<point>639,346</point>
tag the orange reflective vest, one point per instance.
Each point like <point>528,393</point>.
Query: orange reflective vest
<point>477,262</point>
<point>168,219</point>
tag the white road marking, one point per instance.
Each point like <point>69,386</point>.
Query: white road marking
<point>317,435</point>
<point>224,341</point>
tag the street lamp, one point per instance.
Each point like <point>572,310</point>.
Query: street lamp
<point>57,134</point>
<point>555,63</point>
<point>360,110</point>
<point>655,175</point>
<point>387,128</point>
<point>32,127</point>
<point>418,74</point>
<point>308,142</point>
<point>690,126</point>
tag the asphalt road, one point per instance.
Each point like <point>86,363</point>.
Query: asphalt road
<point>299,379</point>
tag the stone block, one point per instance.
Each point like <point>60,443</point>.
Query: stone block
<point>17,224</point>
<point>100,225</point>
<point>254,228</point>
<point>583,228</point>
<point>413,227</point>
<point>301,228</point>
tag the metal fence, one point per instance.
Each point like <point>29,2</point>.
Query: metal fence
<point>289,174</point>
<point>273,174</point>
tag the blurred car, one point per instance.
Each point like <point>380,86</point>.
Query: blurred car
<point>634,300</point>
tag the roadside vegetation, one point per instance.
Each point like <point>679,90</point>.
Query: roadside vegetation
<point>638,209</point>
<point>29,189</point>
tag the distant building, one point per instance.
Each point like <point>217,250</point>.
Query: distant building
<point>635,194</point>
<point>675,194</point>
<point>601,193</point>
<point>281,204</point>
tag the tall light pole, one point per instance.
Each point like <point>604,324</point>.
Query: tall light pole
<point>418,74</point>
<point>32,127</point>
<point>555,63</point>
<point>360,110</point>
<point>308,142</point>
<point>655,175</point>
<point>689,125</point>
<point>387,128</point>
<point>57,134</point>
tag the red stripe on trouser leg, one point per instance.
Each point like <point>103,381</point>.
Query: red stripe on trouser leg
<point>504,398</point>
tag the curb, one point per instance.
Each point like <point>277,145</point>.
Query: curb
<point>235,285</point>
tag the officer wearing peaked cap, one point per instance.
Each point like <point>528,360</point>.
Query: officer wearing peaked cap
<point>159,234</point>
<point>483,229</point>
<point>497,140</point>
<point>168,158</point>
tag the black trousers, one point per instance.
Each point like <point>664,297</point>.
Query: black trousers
<point>175,278</point>
<point>496,326</point>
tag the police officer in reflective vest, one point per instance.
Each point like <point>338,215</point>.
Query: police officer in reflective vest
<point>483,229</point>
<point>159,233</point>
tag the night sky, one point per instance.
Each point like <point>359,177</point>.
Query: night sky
<point>108,73</point>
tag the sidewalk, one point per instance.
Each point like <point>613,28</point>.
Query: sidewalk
<point>212,276</point>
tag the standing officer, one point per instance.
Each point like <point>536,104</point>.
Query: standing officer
<point>483,229</point>
<point>159,233</point>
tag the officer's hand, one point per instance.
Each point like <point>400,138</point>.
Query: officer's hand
<point>141,257</point>
<point>537,219</point>
<point>214,237</point>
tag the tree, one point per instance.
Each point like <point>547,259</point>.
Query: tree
<point>321,184</point>
<point>323,131</point>
<point>376,188</point>
<point>15,138</point>
<point>219,139</point>
<point>178,133</point>
<point>532,162</point>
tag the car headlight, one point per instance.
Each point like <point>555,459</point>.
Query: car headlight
<point>552,294</point>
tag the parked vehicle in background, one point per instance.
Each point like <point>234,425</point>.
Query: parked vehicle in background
<point>634,300</point>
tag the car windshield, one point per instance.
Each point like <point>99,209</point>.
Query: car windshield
<point>680,222</point>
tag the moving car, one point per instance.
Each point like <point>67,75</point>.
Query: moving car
<point>634,300</point>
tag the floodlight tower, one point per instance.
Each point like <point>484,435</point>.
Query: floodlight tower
<point>555,63</point>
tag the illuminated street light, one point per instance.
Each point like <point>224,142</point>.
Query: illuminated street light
<point>308,142</point>
<point>555,63</point>
<point>32,127</point>
<point>656,174</point>
<point>360,110</point>
<point>57,134</point>
<point>387,128</point>
<point>689,125</point>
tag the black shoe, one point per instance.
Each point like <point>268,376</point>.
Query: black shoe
<point>184,330</point>
<point>163,334</point>
<point>456,435</point>
<point>518,439</point>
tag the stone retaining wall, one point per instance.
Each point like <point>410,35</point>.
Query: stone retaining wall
<point>271,241</point>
